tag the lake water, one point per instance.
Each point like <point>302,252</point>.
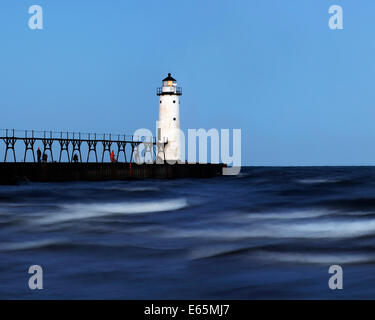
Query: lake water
<point>266,233</point>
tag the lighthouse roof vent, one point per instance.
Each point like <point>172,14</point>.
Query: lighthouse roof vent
<point>169,78</point>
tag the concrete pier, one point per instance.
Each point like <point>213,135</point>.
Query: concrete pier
<point>13,173</point>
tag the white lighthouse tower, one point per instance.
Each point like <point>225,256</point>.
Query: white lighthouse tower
<point>169,119</point>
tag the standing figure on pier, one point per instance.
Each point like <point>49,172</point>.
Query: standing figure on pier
<point>112,156</point>
<point>38,154</point>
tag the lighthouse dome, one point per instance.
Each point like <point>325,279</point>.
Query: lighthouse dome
<point>169,86</point>
<point>169,78</point>
<point>169,81</point>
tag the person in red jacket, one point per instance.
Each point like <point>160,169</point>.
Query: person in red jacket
<point>113,159</point>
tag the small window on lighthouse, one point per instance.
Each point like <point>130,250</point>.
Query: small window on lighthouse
<point>174,119</point>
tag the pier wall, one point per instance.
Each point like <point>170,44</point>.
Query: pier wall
<point>13,173</point>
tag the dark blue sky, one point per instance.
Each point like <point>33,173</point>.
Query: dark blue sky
<point>301,93</point>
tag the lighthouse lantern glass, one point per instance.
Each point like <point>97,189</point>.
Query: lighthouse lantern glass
<point>169,83</point>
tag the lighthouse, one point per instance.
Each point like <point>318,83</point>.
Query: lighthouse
<point>168,128</point>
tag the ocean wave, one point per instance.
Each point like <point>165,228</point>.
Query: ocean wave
<point>256,252</point>
<point>298,214</point>
<point>306,230</point>
<point>93,210</point>
<point>218,250</point>
<point>316,258</point>
<point>29,245</point>
<point>317,181</point>
<point>136,189</point>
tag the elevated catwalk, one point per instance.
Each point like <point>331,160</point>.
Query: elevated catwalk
<point>82,144</point>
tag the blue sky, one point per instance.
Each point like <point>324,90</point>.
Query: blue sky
<point>301,93</point>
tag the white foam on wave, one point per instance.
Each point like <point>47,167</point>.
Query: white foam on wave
<point>334,229</point>
<point>304,230</point>
<point>86,211</point>
<point>303,214</point>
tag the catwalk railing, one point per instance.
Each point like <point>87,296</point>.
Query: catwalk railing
<point>73,143</point>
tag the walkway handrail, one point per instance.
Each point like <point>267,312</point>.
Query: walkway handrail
<point>75,140</point>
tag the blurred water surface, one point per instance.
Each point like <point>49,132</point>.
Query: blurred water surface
<point>267,233</point>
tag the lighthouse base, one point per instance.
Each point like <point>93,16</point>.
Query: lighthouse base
<point>14,173</point>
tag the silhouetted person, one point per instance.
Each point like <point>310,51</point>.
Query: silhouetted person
<point>38,154</point>
<point>75,158</point>
<point>45,157</point>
